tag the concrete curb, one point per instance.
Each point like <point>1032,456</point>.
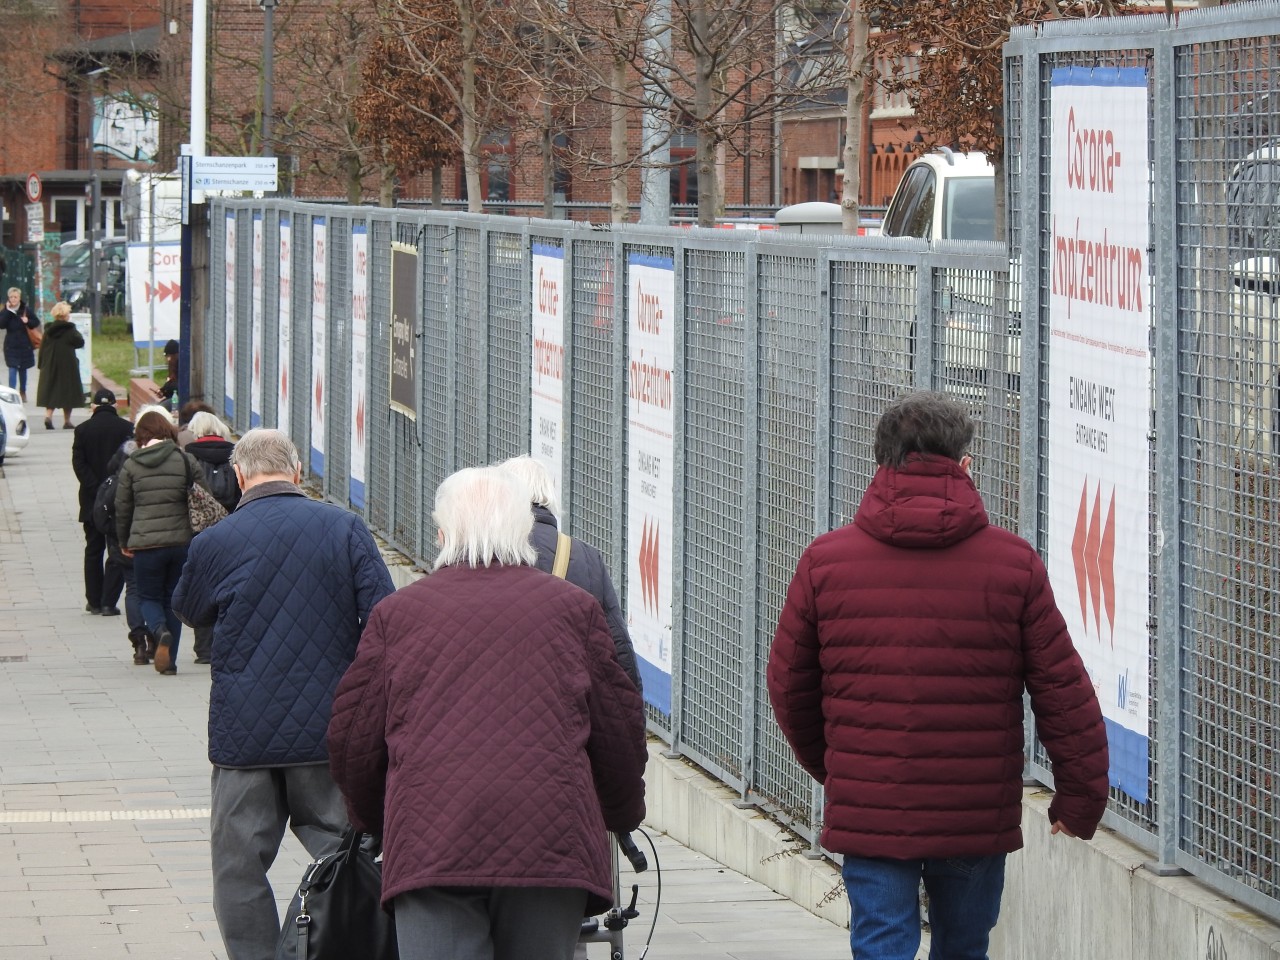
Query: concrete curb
<point>694,810</point>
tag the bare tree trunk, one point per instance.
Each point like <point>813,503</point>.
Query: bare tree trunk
<point>387,186</point>
<point>705,153</point>
<point>437,186</point>
<point>470,128</point>
<point>855,94</point>
<point>619,207</point>
<point>548,141</point>
<point>355,188</point>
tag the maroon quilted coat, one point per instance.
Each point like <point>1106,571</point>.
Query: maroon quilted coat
<point>898,668</point>
<point>487,732</point>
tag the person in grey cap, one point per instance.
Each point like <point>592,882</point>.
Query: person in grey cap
<point>95,443</point>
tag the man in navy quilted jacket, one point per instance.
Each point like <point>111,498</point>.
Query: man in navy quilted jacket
<point>897,675</point>
<point>287,583</point>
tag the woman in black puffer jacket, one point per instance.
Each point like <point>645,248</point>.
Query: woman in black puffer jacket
<point>212,447</point>
<point>153,527</point>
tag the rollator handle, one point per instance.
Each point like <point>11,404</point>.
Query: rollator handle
<point>633,853</point>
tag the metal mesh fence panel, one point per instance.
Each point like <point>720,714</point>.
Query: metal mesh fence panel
<point>1228,217</point>
<point>337,472</point>
<point>244,315</point>
<point>378,492</point>
<point>215,321</point>
<point>977,360</point>
<point>435,417</point>
<point>873,308</point>
<point>470,348</point>
<point>270,309</point>
<point>509,347</point>
<point>790,328</point>
<point>1140,814</point>
<point>300,305</point>
<point>406,477</point>
<point>595,396</point>
<point>715,350</point>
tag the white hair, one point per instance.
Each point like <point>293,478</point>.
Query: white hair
<point>153,408</point>
<point>535,478</point>
<point>265,452</point>
<point>207,425</point>
<point>483,516</point>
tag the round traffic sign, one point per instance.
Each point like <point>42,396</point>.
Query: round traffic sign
<point>33,187</point>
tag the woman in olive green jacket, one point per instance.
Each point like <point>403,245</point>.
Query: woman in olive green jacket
<point>153,526</point>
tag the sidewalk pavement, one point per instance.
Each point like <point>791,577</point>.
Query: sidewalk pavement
<point>104,780</point>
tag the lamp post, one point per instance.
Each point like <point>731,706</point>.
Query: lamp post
<point>95,203</point>
<point>268,69</point>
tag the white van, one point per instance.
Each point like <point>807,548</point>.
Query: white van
<point>944,196</point>
<point>951,196</point>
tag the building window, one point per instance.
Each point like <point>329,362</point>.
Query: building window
<point>684,176</point>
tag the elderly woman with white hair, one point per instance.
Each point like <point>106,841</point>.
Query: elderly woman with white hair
<point>488,734</point>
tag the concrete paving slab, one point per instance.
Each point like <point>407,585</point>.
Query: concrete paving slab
<point>104,782</point>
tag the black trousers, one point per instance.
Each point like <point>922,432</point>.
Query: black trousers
<point>103,579</point>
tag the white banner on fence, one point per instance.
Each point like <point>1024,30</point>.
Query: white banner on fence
<point>256,322</point>
<point>1100,394</point>
<point>319,324</point>
<point>651,468</point>
<point>284,355</point>
<point>155,300</point>
<point>359,359</point>
<point>229,354</point>
<point>546,400</point>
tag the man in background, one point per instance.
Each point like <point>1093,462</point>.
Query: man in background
<point>95,442</point>
<point>287,583</point>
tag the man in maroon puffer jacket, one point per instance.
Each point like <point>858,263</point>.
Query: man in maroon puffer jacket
<point>897,675</point>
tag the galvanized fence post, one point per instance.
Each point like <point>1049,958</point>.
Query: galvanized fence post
<point>749,624</point>
<point>1168,462</point>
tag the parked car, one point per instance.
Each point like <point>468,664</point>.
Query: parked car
<point>14,414</point>
<point>74,285</point>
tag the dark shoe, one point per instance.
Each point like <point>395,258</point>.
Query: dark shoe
<point>68,425</point>
<point>164,652</point>
<point>48,423</point>
<point>140,658</point>
<point>203,660</point>
<point>149,644</point>
<point>171,672</point>
<point>93,611</point>
<point>109,611</point>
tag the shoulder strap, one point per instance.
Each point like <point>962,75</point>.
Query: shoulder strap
<point>560,566</point>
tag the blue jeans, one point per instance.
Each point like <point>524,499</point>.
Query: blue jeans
<point>964,904</point>
<point>18,379</point>
<point>156,572</point>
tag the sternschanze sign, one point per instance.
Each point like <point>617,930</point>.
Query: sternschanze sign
<point>234,173</point>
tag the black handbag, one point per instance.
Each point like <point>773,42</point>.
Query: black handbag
<point>336,913</point>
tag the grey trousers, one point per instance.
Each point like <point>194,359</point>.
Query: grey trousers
<point>248,815</point>
<point>489,923</point>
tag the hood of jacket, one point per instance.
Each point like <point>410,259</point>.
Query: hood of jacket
<point>211,450</point>
<point>155,454</point>
<point>929,502</point>
<point>59,329</point>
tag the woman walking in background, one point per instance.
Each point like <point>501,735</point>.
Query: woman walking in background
<point>60,384</point>
<point>211,446</point>
<point>153,528</point>
<point>16,318</point>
